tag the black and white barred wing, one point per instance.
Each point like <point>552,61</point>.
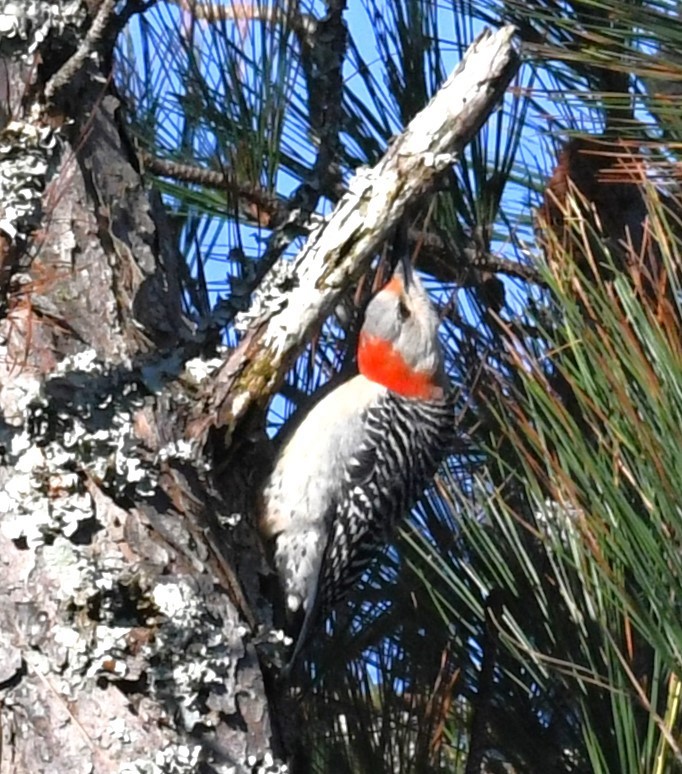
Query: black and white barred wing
<point>405,442</point>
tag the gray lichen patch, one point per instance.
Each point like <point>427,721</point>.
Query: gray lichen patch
<point>195,650</point>
<point>25,26</point>
<point>79,425</point>
<point>40,502</point>
<point>271,296</point>
<point>174,759</point>
<point>28,155</point>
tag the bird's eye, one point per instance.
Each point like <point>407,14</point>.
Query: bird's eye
<point>403,310</point>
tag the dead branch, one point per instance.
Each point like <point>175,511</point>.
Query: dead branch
<point>93,37</point>
<point>295,297</point>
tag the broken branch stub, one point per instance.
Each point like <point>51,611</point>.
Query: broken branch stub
<point>295,296</point>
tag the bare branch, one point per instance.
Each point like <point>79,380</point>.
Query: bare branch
<point>94,35</point>
<point>322,57</point>
<point>462,266</point>
<point>291,303</point>
<point>465,266</point>
<point>258,205</point>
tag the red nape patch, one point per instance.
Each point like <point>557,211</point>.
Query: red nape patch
<point>379,362</point>
<point>394,285</point>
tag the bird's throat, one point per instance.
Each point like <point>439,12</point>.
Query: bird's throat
<point>379,362</point>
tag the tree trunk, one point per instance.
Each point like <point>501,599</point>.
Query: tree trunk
<point>121,638</point>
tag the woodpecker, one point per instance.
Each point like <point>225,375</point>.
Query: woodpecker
<point>361,457</point>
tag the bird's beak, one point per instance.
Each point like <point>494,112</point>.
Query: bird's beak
<point>404,265</point>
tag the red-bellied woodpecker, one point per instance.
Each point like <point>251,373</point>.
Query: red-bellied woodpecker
<point>361,456</point>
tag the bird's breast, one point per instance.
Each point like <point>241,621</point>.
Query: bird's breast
<point>309,469</point>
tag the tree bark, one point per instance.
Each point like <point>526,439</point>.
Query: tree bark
<point>120,645</point>
<point>131,575</point>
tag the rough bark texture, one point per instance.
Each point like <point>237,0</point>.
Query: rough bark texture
<point>131,585</point>
<point>121,646</point>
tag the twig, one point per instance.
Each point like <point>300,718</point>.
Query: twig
<point>269,207</point>
<point>464,266</point>
<point>90,41</point>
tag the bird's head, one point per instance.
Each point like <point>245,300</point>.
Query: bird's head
<point>398,345</point>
